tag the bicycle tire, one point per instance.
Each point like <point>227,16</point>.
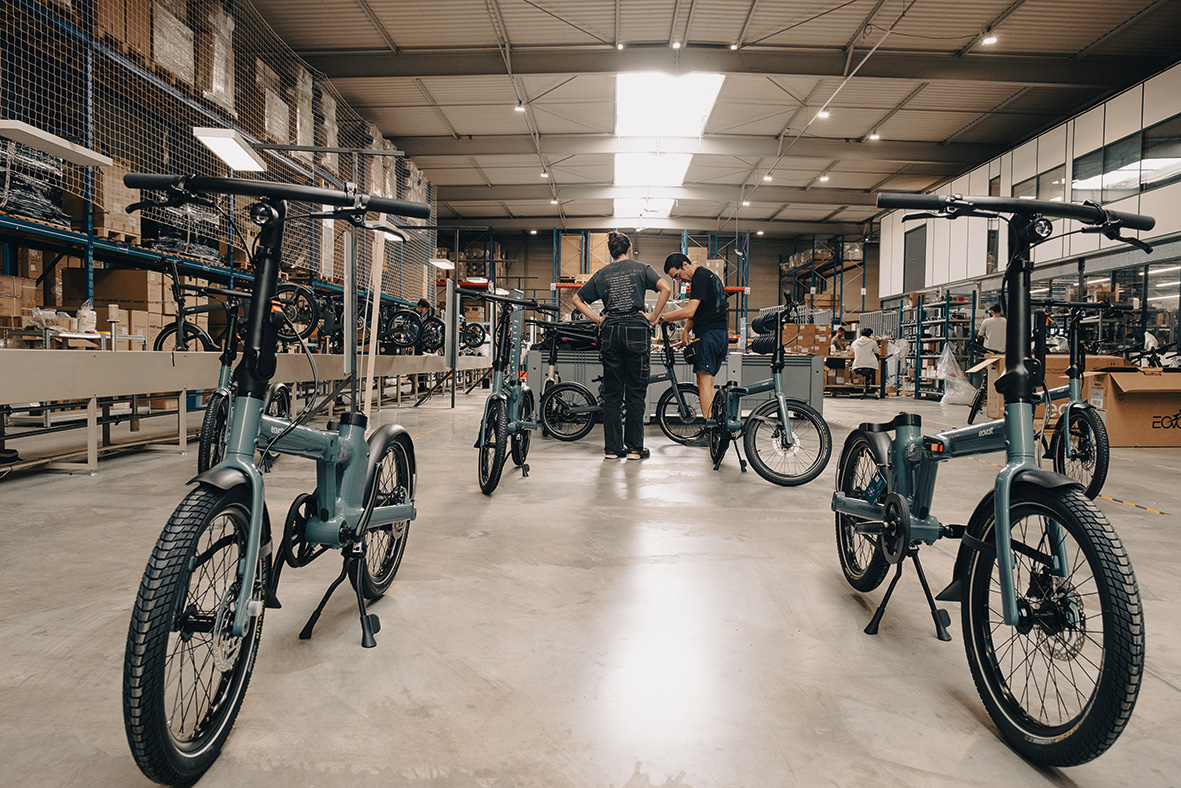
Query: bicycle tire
<point>403,328</point>
<point>978,400</point>
<point>393,484</point>
<point>719,435</point>
<point>862,561</point>
<point>555,411</point>
<point>211,448</point>
<point>191,334</point>
<point>301,309</point>
<point>433,332</point>
<point>1088,438</point>
<point>179,623</point>
<point>495,432</point>
<point>787,466</point>
<point>1060,645</point>
<point>686,431</point>
<point>520,442</point>
<point>545,389</point>
<point>473,335</point>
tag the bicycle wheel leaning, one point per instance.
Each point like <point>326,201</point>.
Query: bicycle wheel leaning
<point>557,414</point>
<point>385,544</point>
<point>184,674</point>
<point>780,462</point>
<point>211,446</point>
<point>1085,437</point>
<point>862,560</point>
<point>495,433</point>
<point>978,400</point>
<point>432,335</point>
<point>473,335</point>
<point>194,339</point>
<point>521,439</point>
<point>1061,684</point>
<point>301,310</point>
<point>403,328</point>
<point>688,429</point>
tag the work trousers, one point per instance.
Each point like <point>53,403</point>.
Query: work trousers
<point>624,351</point>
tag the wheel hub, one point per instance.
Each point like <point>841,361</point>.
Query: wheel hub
<point>225,646</point>
<point>1054,605</point>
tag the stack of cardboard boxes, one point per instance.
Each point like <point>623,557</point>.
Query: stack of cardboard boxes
<point>807,339</point>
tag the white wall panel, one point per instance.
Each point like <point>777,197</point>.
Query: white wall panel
<point>1164,204</point>
<point>1006,173</point>
<point>957,253</point>
<point>1088,131</point>
<point>1024,163</point>
<point>1123,115</point>
<point>1051,148</point>
<point>976,256</point>
<point>1162,96</point>
<point>938,247</point>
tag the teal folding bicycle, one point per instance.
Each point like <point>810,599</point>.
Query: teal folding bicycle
<point>1052,620</point>
<point>198,615</point>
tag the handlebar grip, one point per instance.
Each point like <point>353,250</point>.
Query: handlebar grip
<point>414,210</point>
<point>1133,221</point>
<point>922,202</point>
<point>138,180</point>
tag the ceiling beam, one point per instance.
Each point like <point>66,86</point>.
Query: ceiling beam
<point>706,193</point>
<point>675,223</point>
<point>1109,73</point>
<point>736,145</point>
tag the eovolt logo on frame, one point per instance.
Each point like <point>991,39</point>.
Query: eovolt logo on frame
<point>1167,422</point>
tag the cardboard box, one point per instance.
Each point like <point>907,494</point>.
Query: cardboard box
<point>1140,407</point>
<point>130,288</point>
<point>138,26</point>
<point>1056,365</point>
<point>30,263</point>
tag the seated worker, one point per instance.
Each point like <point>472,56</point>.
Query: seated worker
<point>707,313</point>
<point>865,356</point>
<point>839,347</point>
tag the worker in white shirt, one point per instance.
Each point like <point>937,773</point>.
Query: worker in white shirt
<point>992,330</point>
<point>865,357</point>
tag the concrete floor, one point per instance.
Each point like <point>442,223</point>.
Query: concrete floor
<point>600,624</point>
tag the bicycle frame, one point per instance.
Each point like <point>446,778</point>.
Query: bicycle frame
<point>733,394</point>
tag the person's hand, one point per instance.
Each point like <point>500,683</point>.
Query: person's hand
<point>653,319</point>
<point>684,339</point>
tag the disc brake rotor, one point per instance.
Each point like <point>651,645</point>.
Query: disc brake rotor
<point>225,646</point>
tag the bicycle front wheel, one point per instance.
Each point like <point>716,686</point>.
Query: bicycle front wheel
<point>192,339</point>
<point>184,673</point>
<point>211,446</point>
<point>862,561</point>
<point>495,433</point>
<point>385,544</point>
<point>782,459</point>
<point>521,438</point>
<point>719,435</point>
<point>1081,450</point>
<point>557,411</point>
<point>473,335</point>
<point>1061,684</point>
<point>685,428</point>
<point>432,335</point>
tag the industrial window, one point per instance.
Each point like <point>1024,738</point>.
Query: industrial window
<point>1161,164</point>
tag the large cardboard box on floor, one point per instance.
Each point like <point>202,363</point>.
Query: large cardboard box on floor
<point>1140,407</point>
<point>1056,365</point>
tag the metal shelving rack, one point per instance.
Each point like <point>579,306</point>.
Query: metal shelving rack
<point>929,326</point>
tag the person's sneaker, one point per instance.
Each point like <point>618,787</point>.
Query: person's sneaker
<point>638,454</point>
<point>614,455</point>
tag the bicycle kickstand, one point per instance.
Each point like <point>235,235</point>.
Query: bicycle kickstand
<point>940,616</point>
<point>741,459</point>
<point>370,624</point>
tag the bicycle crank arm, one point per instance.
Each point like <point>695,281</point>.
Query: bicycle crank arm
<point>856,507</point>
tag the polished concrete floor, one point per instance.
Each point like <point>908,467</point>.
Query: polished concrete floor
<point>600,624</point>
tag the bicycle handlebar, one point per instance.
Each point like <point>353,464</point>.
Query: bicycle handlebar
<point>527,304</point>
<point>1086,306</point>
<point>283,191</point>
<point>951,206</point>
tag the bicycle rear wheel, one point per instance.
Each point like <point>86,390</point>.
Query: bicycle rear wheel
<point>211,446</point>
<point>473,335</point>
<point>300,309</point>
<point>719,435</point>
<point>194,339</point>
<point>495,433</point>
<point>432,335</point>
<point>862,561</point>
<point>1085,437</point>
<point>687,429</point>
<point>780,462</point>
<point>557,411</point>
<point>184,674</point>
<point>1062,683</point>
<point>385,544</point>
<point>521,438</point>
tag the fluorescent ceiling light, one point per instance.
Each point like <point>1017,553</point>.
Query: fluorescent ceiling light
<point>767,177</point>
<point>760,232</point>
<point>822,114</point>
<point>520,107</point>
<point>651,169</point>
<point>824,178</point>
<point>745,203</point>
<point>662,105</point>
<point>989,40</point>
<point>533,232</point>
<point>1166,284</point>
<point>643,208</point>
<point>1161,298</point>
<point>442,262</point>
<point>229,146</point>
<point>1164,270</point>
<point>875,136</point>
<point>1040,290</point>
<point>52,144</point>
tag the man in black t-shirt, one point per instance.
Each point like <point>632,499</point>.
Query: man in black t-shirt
<point>623,343</point>
<point>707,313</point>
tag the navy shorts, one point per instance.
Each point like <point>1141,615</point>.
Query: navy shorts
<point>712,351</point>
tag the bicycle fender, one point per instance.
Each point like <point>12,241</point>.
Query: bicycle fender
<point>381,438</point>
<point>479,444</point>
<point>878,441</point>
<point>972,542</point>
<point>222,477</point>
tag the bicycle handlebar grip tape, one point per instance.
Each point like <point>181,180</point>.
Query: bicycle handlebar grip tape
<point>281,191</point>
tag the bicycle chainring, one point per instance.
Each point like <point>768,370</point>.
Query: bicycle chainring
<point>895,538</point>
<point>297,551</point>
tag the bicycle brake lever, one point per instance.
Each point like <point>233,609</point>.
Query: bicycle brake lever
<point>910,217</point>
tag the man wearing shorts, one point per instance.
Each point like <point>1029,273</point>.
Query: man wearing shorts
<point>707,313</point>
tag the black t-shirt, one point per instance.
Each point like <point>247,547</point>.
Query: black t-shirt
<point>706,288</point>
<point>621,286</point>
